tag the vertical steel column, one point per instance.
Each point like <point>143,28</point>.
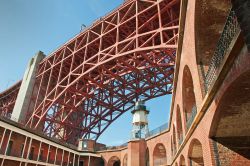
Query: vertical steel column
<point>39,151</point>
<point>74,159</point>
<point>62,157</point>
<point>48,154</point>
<point>24,146</point>
<point>2,139</point>
<point>2,162</point>
<point>27,157</point>
<point>8,143</point>
<point>89,161</point>
<point>55,156</point>
<point>68,158</point>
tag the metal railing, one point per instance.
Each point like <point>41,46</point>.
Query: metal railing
<point>158,130</point>
<point>224,41</point>
<point>192,116</point>
<point>111,147</point>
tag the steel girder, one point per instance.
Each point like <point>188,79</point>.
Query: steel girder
<point>8,100</point>
<point>94,78</point>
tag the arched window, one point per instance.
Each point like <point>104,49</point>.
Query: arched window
<point>159,155</point>
<point>195,153</point>
<point>189,102</point>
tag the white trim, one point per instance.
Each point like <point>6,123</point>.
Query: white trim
<point>24,160</point>
<point>41,139</point>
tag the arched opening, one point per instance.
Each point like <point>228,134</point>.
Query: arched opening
<point>179,126</point>
<point>189,102</point>
<point>125,160</point>
<point>117,163</point>
<point>230,129</point>
<point>114,161</point>
<point>174,140</point>
<point>195,153</point>
<point>147,157</point>
<point>210,18</point>
<point>97,161</point>
<point>159,155</point>
<point>182,161</point>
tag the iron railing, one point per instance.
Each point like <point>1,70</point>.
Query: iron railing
<point>158,130</point>
<point>224,41</point>
<point>192,116</point>
<point>111,147</point>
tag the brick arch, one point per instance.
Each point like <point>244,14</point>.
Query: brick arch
<point>188,96</point>
<point>210,17</point>
<point>182,161</point>
<point>159,155</point>
<point>114,161</point>
<point>179,125</point>
<point>230,128</point>
<point>195,153</point>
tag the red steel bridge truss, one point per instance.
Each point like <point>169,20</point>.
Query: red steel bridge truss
<point>8,100</point>
<point>90,81</point>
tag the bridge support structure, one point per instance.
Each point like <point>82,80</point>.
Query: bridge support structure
<point>24,95</point>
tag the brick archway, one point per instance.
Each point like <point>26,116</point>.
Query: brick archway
<point>189,101</point>
<point>159,155</point>
<point>230,128</point>
<point>182,161</point>
<point>195,153</point>
<point>114,161</point>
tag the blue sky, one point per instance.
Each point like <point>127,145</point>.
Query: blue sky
<point>27,26</point>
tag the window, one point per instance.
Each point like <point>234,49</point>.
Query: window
<point>84,144</point>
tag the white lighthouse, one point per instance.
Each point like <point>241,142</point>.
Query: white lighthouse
<point>140,120</point>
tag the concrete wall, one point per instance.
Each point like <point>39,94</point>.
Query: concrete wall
<point>24,96</point>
